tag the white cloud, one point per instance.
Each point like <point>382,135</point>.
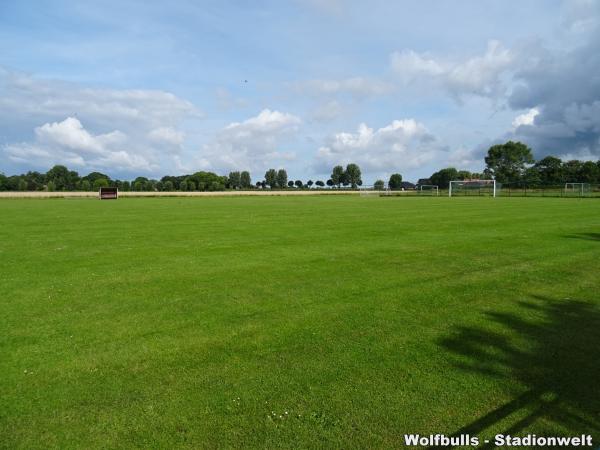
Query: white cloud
<point>581,16</point>
<point>401,145</point>
<point>32,98</point>
<point>478,75</point>
<point>558,83</point>
<point>463,158</point>
<point>333,98</point>
<point>167,135</point>
<point>527,118</point>
<point>69,143</point>
<point>137,130</point>
<point>252,144</point>
<point>410,65</point>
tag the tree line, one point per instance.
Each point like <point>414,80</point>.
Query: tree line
<point>511,162</point>
<point>60,178</point>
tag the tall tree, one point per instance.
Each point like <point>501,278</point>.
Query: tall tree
<point>352,175</point>
<point>208,181</point>
<point>590,173</point>
<point>235,180</point>
<point>379,185</point>
<point>3,182</point>
<point>63,179</point>
<point>395,181</point>
<point>282,178</point>
<point>463,175</point>
<point>572,170</point>
<point>142,183</point>
<point>271,178</point>
<point>549,169</point>
<point>442,178</point>
<point>93,176</point>
<point>507,161</point>
<point>245,179</point>
<point>337,175</point>
<point>532,176</point>
<point>86,186</point>
<point>100,182</point>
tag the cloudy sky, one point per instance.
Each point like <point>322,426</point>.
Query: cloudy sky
<point>153,88</point>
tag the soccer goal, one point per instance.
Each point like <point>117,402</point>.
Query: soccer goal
<point>474,187</point>
<point>429,189</point>
<point>577,189</point>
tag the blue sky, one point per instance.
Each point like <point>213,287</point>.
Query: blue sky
<point>149,88</point>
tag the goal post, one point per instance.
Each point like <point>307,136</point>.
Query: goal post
<point>577,189</point>
<point>473,187</point>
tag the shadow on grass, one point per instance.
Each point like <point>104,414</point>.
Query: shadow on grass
<point>585,236</point>
<point>554,358</point>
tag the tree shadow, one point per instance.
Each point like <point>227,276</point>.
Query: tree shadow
<point>550,352</point>
<point>585,236</point>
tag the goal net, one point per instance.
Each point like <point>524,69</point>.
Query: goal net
<point>577,189</point>
<point>487,188</point>
<point>429,189</point>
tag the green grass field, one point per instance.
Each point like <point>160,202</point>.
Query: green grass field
<point>296,322</point>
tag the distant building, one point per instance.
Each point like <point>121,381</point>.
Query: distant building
<point>407,185</point>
